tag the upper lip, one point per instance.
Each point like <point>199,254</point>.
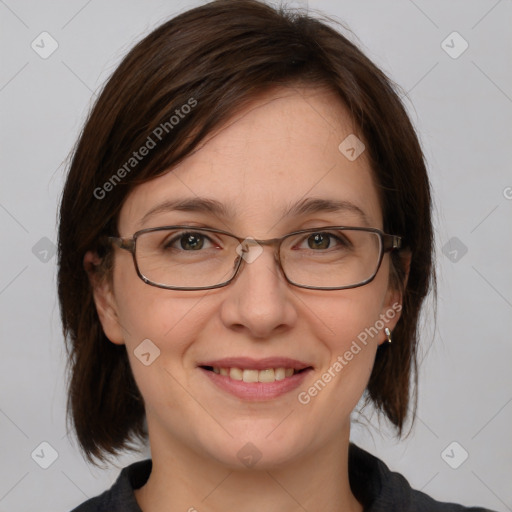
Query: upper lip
<point>248,363</point>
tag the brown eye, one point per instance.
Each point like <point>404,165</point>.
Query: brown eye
<point>189,241</point>
<point>326,240</point>
<point>192,241</point>
<point>319,241</point>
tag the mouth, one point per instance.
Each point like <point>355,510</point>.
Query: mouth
<point>252,375</point>
<point>256,380</point>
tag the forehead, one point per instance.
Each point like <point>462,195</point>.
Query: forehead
<point>280,149</point>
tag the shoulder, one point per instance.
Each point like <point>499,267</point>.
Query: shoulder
<point>120,497</point>
<point>379,489</point>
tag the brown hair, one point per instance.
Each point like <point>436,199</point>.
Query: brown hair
<point>217,57</point>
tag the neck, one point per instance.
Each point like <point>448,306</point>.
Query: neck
<point>188,481</point>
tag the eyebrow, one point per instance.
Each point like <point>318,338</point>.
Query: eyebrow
<point>306,206</point>
<point>312,205</point>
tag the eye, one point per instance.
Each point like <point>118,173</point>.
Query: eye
<point>187,241</point>
<point>326,240</point>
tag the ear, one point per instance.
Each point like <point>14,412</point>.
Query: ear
<point>393,302</point>
<point>104,298</point>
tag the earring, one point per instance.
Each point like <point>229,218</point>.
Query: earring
<point>388,334</point>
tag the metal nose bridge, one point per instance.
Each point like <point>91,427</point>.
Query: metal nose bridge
<point>254,241</point>
<point>247,242</point>
<point>274,242</point>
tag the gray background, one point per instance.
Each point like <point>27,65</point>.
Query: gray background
<point>463,110</point>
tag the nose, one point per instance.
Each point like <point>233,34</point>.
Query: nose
<point>259,300</point>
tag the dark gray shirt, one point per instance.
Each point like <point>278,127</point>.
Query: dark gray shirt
<point>373,484</point>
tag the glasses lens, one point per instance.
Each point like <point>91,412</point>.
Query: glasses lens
<point>331,258</point>
<point>186,257</point>
<point>195,258</point>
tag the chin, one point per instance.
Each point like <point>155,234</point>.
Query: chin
<point>255,449</point>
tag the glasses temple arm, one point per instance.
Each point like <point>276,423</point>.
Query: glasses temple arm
<point>391,242</point>
<point>123,243</point>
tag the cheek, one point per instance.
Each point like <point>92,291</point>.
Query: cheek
<point>146,311</point>
<point>353,347</point>
<point>353,315</point>
<point>161,323</point>
<point>351,331</point>
<point>171,323</point>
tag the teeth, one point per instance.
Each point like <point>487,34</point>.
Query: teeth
<point>279,373</point>
<point>267,375</point>
<point>236,374</point>
<point>250,375</point>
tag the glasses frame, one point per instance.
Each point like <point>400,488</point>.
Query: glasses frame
<point>388,243</point>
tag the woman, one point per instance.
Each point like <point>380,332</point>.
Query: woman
<point>245,244</point>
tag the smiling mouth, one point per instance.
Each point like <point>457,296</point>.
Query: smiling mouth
<point>251,375</point>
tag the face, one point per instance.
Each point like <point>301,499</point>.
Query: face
<point>281,149</point>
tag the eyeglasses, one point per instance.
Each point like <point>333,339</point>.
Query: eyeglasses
<point>323,258</point>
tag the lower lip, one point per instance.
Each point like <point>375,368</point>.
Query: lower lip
<point>257,391</point>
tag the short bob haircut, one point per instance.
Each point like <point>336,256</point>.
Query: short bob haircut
<point>216,58</point>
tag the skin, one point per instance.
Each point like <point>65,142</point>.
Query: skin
<point>281,148</point>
